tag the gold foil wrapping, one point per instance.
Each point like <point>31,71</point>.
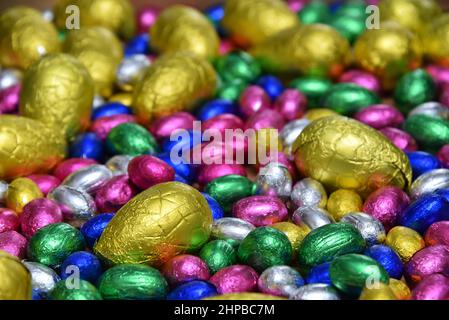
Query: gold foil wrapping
<point>436,41</point>
<point>15,279</point>
<point>404,241</point>
<point>20,192</point>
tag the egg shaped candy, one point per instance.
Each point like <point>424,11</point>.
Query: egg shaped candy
<point>15,278</point>
<point>435,40</point>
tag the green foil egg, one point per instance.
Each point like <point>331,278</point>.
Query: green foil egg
<point>53,243</point>
<point>350,273</point>
<point>83,290</point>
<point>329,241</point>
<point>237,66</point>
<point>265,247</point>
<point>218,254</point>
<point>414,88</point>
<point>131,139</point>
<point>348,98</point>
<point>349,27</point>
<point>314,12</point>
<point>313,88</point>
<point>231,91</point>
<point>229,189</point>
<point>431,133</point>
<point>132,282</point>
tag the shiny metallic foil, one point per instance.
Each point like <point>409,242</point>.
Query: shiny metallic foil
<point>280,280</point>
<point>75,204</point>
<point>312,217</point>
<point>89,179</point>
<point>315,291</point>
<point>274,179</point>
<point>404,241</point>
<point>15,279</point>
<point>370,228</point>
<point>20,192</point>
<point>379,292</point>
<point>429,182</point>
<point>119,164</point>
<point>432,109</point>
<point>233,230</point>
<point>436,40</point>
<point>293,232</point>
<point>309,192</point>
<point>43,278</point>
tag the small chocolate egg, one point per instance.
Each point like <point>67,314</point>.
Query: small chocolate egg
<point>13,243</point>
<point>208,173</point>
<point>233,230</point>
<point>115,194</point>
<point>43,279</point>
<point>422,162</point>
<point>103,126</point>
<point>400,139</point>
<point>75,204</point>
<point>309,192</point>
<point>279,281</point>
<point>293,232</point>
<point>15,278</point>
<point>430,182</point>
<point>147,171</point>
<point>291,131</point>
<point>343,202</point>
<point>380,291</point>
<point>314,88</point>
<point>312,217</point>
<point>404,241</point>
<point>388,258</point>
<point>130,70</point>
<point>438,233</point>
<point>236,278</point>
<point>435,40</point>
<point>315,291</point>
<point>45,182</point>
<point>218,254</point>
<point>87,265</point>
<point>431,133</point>
<point>369,227</point>
<point>66,167</point>
<point>119,164</point>
<point>89,179</point>
<point>193,290</point>
<point>414,88</point>
<point>319,274</point>
<point>37,214</point>
<point>274,179</point>
<point>362,79</point>
<point>164,127</point>
<point>93,228</point>
<point>9,220</point>
<point>184,268</point>
<point>430,260</point>
<point>432,109</point>
<point>379,116</point>
<point>400,289</point>
<point>21,191</point>
<point>260,210</point>
<point>83,291</point>
<point>291,104</point>
<point>433,287</point>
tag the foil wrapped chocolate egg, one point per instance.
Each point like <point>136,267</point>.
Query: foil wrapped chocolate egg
<point>309,192</point>
<point>291,131</point>
<point>130,70</point>
<point>293,232</point>
<point>435,40</point>
<point>15,283</point>
<point>43,279</point>
<point>25,37</point>
<point>274,179</point>
<point>311,217</point>
<point>429,182</point>
<point>432,109</point>
<point>430,132</point>
<point>404,241</point>
<point>157,224</point>
<point>279,280</point>
<point>370,228</point>
<point>380,291</point>
<point>342,202</point>
<point>343,153</point>
<point>233,230</point>
<point>58,91</point>
<point>20,192</point>
<point>315,291</point>
<point>74,204</point>
<point>89,179</point>
<point>400,289</point>
<point>430,260</point>
<point>173,83</point>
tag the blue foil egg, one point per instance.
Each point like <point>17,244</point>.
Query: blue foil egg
<point>193,290</point>
<point>215,13</point>
<point>444,193</point>
<point>182,144</point>
<point>86,263</point>
<point>93,228</point>
<point>216,107</point>
<point>424,211</point>
<point>110,109</point>
<point>181,179</point>
<point>185,170</point>
<point>217,211</point>
<point>422,162</point>
<point>272,85</point>
<point>87,145</point>
<point>387,258</point>
<point>140,44</point>
<point>319,274</point>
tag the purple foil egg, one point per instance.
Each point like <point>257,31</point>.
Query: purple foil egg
<point>69,166</point>
<point>433,287</point>
<point>430,260</point>
<point>291,104</point>
<point>438,233</point>
<point>254,99</point>
<point>400,139</point>
<point>260,210</point>
<point>163,127</point>
<point>386,204</point>
<point>443,155</point>
<point>13,243</point>
<point>380,116</point>
<point>102,126</point>
<point>146,18</point>
<point>9,220</point>
<point>266,118</point>
<point>222,122</point>
<point>362,79</point>
<point>146,171</point>
<point>207,173</point>
<point>45,182</point>
<point>439,74</point>
<point>114,194</point>
<point>9,99</point>
<point>236,278</point>
<point>184,268</point>
<point>38,214</point>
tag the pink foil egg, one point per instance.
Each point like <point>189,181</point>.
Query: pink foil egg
<point>260,210</point>
<point>296,5</point>
<point>69,166</point>
<point>9,220</point>
<point>45,182</point>
<point>102,126</point>
<point>266,118</point>
<point>222,122</point>
<point>430,260</point>
<point>380,116</point>
<point>253,99</point>
<point>9,99</point>
<point>207,173</point>
<point>443,155</point>
<point>184,268</point>
<point>225,47</point>
<point>386,204</point>
<point>146,171</point>
<point>219,152</point>
<point>236,278</point>
<point>444,96</point>
<point>433,287</point>
<point>362,79</point>
<point>438,233</point>
<point>38,214</point>
<point>114,194</point>
<point>165,126</point>
<point>146,18</point>
<point>13,243</point>
<point>291,104</point>
<point>439,74</point>
<point>400,139</point>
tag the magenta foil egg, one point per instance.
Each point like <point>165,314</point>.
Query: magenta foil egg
<point>362,79</point>
<point>386,204</point>
<point>207,173</point>
<point>433,287</point>
<point>146,18</point>
<point>146,171</point>
<point>260,210</point>
<point>236,278</point>
<point>222,122</point>
<point>380,116</point>
<point>9,220</point>
<point>69,166</point>
<point>45,182</point>
<point>13,243</point>
<point>443,155</point>
<point>439,74</point>
<point>444,96</point>
<point>114,194</point>
<point>296,5</point>
<point>266,118</point>
<point>430,260</point>
<point>253,99</point>
<point>9,99</point>
<point>400,139</point>
<point>102,126</point>
<point>226,46</point>
<point>165,126</point>
<point>291,104</point>
<point>219,152</point>
<point>38,214</point>
<point>184,268</point>
<point>438,233</point>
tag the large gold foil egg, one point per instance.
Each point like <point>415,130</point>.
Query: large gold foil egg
<point>58,91</point>
<point>250,22</point>
<point>115,15</point>
<point>15,279</point>
<point>314,50</point>
<point>156,225</point>
<point>182,28</point>
<point>436,41</point>
<point>20,192</point>
<point>175,82</point>
<point>25,36</point>
<point>388,52</point>
<point>27,146</point>
<point>343,153</point>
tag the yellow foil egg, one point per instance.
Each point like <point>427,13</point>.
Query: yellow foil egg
<point>343,153</point>
<point>245,296</point>
<point>342,202</point>
<point>293,232</point>
<point>156,225</point>
<point>20,192</point>
<point>175,82</point>
<point>378,291</point>
<point>400,289</point>
<point>404,241</point>
<point>182,28</point>
<point>250,22</point>
<point>25,36</point>
<point>115,15</point>
<point>58,91</point>
<point>436,41</point>
<point>15,279</point>
<point>28,146</point>
<point>314,50</point>
<point>388,52</point>
<point>123,97</point>
<point>314,114</point>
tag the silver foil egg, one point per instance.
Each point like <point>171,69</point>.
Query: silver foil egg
<point>119,164</point>
<point>3,190</point>
<point>312,217</point>
<point>89,179</point>
<point>432,109</point>
<point>309,192</point>
<point>429,182</point>
<point>233,229</point>
<point>315,291</point>
<point>43,278</point>
<point>9,78</point>
<point>290,132</point>
<point>274,179</point>
<point>75,204</point>
<point>370,228</point>
<point>130,70</point>
<point>279,281</point>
